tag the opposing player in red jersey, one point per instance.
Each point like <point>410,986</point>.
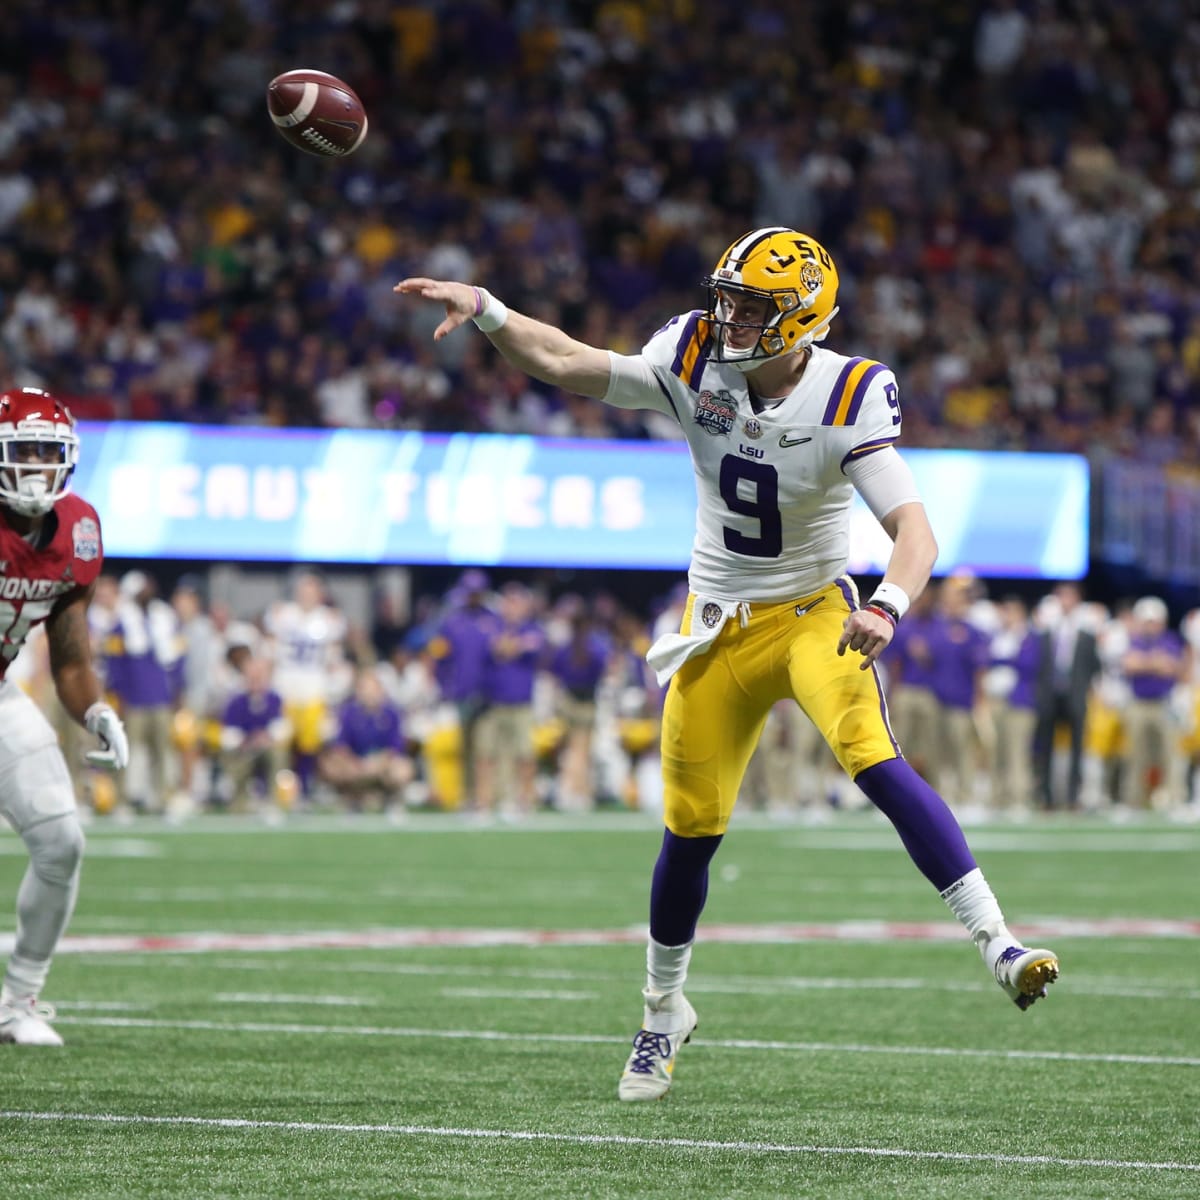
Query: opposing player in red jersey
<point>50,555</point>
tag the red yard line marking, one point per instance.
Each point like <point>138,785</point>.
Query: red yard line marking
<point>412,939</point>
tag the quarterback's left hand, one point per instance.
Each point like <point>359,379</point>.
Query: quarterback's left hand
<point>868,633</point>
<point>101,719</point>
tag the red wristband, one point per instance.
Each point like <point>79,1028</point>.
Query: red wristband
<point>478,301</point>
<point>879,612</point>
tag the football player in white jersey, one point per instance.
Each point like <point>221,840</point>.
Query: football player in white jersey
<point>311,672</point>
<point>50,556</point>
<point>781,432</point>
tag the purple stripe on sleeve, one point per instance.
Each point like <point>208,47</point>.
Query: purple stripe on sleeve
<point>867,448</point>
<point>861,390</point>
<point>693,381</point>
<point>883,712</point>
<point>836,396</point>
<point>684,341</point>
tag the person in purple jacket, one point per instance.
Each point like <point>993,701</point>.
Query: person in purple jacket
<point>912,706</point>
<point>1154,663</point>
<point>143,669</point>
<point>254,736</point>
<point>1010,685</point>
<point>507,767</point>
<point>577,668</point>
<point>459,648</point>
<point>958,654</point>
<point>368,763</point>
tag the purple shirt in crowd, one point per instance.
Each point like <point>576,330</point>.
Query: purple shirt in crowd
<point>252,713</point>
<point>960,652</point>
<point>132,668</point>
<point>579,665</point>
<point>1024,660</point>
<point>510,680</point>
<point>1146,685</point>
<point>908,652</point>
<point>462,671</point>
<point>366,731</point>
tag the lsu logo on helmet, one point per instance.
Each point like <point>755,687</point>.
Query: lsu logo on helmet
<point>793,276</point>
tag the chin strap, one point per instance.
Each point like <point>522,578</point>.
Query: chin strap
<point>819,335</point>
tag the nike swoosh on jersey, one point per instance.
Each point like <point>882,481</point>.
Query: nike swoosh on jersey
<point>786,441</point>
<point>801,609</point>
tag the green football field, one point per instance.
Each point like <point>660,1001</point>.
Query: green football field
<point>342,1008</point>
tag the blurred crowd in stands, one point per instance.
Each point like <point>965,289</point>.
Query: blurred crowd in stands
<point>498,700</point>
<point>1011,190</point>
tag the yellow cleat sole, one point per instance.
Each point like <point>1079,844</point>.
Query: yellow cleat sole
<point>1034,980</point>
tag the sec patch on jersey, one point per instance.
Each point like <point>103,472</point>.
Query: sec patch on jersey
<point>317,112</point>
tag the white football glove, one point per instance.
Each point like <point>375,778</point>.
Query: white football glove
<point>102,720</point>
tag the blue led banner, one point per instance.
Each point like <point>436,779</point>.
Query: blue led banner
<point>366,496</point>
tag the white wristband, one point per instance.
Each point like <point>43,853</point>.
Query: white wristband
<point>891,594</point>
<point>490,313</point>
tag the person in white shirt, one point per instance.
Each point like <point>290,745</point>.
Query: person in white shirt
<point>307,643</point>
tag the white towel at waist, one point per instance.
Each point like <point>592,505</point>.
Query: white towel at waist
<point>672,650</point>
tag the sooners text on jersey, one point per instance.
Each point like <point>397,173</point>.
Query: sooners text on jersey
<point>32,580</point>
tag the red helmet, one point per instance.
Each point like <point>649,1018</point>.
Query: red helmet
<point>38,450</point>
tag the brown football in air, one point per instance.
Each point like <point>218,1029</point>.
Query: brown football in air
<point>317,112</point>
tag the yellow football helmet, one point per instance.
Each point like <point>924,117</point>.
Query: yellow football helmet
<point>796,277</point>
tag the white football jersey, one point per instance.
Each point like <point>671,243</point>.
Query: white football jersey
<point>773,499</point>
<point>309,661</point>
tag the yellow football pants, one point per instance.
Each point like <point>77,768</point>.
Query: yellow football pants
<point>308,718</point>
<point>718,702</point>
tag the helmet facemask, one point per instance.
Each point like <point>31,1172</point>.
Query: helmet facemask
<point>37,459</point>
<point>769,342</point>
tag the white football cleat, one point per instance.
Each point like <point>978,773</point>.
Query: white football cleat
<point>667,1024</point>
<point>26,1022</point>
<point>1025,974</point>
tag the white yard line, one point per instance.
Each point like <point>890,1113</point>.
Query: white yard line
<point>1094,841</point>
<point>218,894</point>
<point>496,1035</point>
<point>424,894</point>
<point>479,993</point>
<point>106,847</point>
<point>599,1139</point>
<point>100,1006</point>
<point>293,998</point>
<point>463,993</point>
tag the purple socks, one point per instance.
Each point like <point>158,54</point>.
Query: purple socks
<point>929,830</point>
<point>926,826</point>
<point>680,887</point>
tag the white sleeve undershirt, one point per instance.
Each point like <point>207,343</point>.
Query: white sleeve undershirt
<point>633,384</point>
<point>883,479</point>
